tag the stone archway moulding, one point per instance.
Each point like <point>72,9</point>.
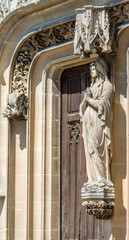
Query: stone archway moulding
<point>52,61</point>
<point>55,67</point>
<point>35,43</point>
<point>52,71</point>
<point>20,66</point>
<point>101,38</point>
<point>51,36</point>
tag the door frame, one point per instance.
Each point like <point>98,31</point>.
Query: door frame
<point>50,64</point>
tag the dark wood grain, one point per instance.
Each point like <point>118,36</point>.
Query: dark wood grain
<point>76,224</point>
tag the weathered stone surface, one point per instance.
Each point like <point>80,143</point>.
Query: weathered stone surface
<point>93,30</point>
<point>28,157</point>
<point>17,105</point>
<point>120,13</point>
<point>95,111</point>
<point>102,210</point>
<point>38,41</point>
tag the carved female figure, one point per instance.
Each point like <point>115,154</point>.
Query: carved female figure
<point>95,112</point>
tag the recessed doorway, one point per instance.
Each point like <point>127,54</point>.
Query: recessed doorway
<point>76,224</point>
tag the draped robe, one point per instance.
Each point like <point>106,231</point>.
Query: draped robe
<point>95,112</point>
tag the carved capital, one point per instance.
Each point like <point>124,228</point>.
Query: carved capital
<point>17,105</point>
<point>102,210</point>
<point>93,30</point>
<point>99,201</point>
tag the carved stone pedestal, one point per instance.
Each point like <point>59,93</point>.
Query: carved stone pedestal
<point>100,204</point>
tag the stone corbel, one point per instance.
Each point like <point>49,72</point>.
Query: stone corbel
<point>17,104</point>
<point>93,31</point>
<point>99,204</point>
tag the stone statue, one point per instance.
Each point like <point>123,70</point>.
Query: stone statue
<point>95,111</point>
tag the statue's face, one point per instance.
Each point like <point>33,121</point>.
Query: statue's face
<point>93,72</point>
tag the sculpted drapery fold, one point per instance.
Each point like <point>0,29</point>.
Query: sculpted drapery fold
<point>95,112</point>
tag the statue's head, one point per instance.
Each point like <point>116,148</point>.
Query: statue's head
<point>93,71</point>
<point>98,68</point>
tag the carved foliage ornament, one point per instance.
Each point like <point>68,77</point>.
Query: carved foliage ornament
<point>5,10</point>
<point>102,210</point>
<point>17,103</point>
<point>92,31</point>
<point>38,41</point>
<point>119,13</point>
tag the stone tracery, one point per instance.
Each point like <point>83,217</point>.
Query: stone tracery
<point>38,41</point>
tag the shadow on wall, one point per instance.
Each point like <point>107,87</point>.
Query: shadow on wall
<point>20,131</point>
<point>17,144</point>
<point>2,200</point>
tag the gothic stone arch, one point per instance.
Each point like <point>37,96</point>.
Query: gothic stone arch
<point>44,95</point>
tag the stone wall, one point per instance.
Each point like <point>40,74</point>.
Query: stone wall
<point>30,150</point>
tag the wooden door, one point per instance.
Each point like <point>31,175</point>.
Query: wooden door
<point>76,224</point>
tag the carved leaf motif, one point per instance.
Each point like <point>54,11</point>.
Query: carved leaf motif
<point>120,13</point>
<point>100,209</point>
<point>45,38</point>
<point>4,10</point>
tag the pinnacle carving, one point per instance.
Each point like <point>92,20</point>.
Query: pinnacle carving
<point>92,31</point>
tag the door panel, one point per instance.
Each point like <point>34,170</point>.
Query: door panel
<point>76,224</point>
